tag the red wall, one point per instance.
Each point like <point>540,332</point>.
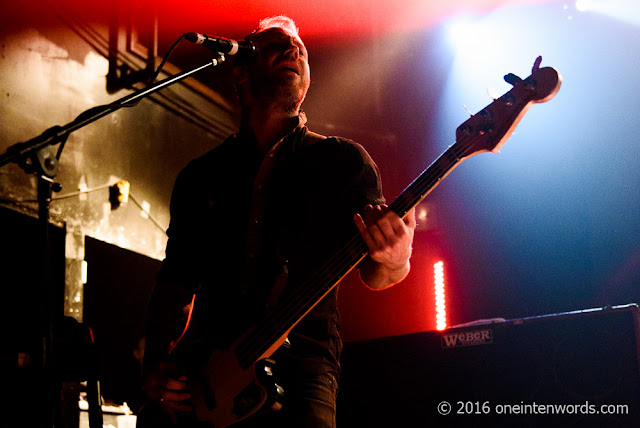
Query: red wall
<point>407,307</point>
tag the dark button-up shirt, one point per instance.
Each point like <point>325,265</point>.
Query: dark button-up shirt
<point>241,219</point>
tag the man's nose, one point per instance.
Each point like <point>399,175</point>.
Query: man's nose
<point>292,49</point>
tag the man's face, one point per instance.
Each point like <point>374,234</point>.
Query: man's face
<point>280,72</point>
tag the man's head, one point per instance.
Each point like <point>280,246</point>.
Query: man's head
<point>279,75</point>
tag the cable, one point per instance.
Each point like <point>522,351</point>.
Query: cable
<point>155,74</point>
<point>57,198</point>
<point>83,192</point>
<point>153,220</point>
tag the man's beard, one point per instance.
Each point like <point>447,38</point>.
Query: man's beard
<point>283,95</point>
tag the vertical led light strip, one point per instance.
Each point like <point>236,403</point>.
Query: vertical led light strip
<point>438,279</point>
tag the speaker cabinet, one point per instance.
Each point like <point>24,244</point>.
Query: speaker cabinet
<point>574,369</point>
<point>119,283</point>
<point>30,293</point>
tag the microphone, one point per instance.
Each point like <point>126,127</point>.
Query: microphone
<point>222,45</point>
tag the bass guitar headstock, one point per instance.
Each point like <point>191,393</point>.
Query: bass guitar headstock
<point>490,128</point>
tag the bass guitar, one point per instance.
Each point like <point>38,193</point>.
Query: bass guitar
<point>227,388</point>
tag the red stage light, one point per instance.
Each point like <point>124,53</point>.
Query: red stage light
<point>438,279</point>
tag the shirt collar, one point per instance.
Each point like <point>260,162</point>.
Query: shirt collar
<point>247,136</point>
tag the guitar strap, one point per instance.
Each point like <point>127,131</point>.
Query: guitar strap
<point>255,226</point>
<point>256,217</point>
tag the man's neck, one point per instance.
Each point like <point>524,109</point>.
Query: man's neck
<point>269,125</point>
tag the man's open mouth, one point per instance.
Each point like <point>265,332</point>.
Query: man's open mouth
<point>289,67</point>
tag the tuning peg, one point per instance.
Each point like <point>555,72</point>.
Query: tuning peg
<point>536,64</point>
<point>512,79</point>
<point>493,93</point>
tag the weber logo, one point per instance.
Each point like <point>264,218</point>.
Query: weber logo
<point>468,338</point>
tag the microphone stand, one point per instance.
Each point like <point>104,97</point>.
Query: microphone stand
<point>36,156</point>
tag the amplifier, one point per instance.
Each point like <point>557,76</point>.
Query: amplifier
<point>576,368</point>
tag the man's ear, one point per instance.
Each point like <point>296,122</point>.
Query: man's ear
<point>240,74</point>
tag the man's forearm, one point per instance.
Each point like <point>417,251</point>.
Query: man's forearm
<point>165,317</point>
<point>379,276</point>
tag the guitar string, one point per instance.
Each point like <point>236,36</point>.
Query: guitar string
<point>356,245</point>
<point>319,285</point>
<point>277,323</point>
<point>310,288</point>
<point>322,283</point>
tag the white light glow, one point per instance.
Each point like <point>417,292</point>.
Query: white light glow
<point>146,208</point>
<point>583,5</point>
<point>468,36</point>
<point>624,10</point>
<point>422,214</point>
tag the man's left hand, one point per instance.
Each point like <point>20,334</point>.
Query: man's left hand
<point>388,238</point>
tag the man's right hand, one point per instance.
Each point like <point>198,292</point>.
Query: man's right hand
<point>168,388</point>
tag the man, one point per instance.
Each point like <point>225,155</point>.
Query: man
<point>257,216</point>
